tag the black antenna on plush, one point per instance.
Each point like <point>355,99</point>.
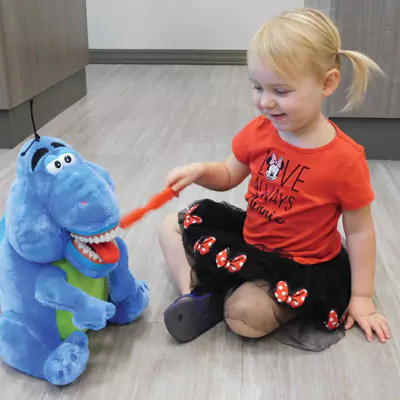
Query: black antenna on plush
<point>37,137</point>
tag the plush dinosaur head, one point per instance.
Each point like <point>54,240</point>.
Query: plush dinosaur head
<point>61,206</point>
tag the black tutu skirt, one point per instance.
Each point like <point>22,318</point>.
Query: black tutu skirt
<point>221,260</point>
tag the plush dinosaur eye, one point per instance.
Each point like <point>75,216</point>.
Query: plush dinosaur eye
<point>54,167</point>
<point>69,159</point>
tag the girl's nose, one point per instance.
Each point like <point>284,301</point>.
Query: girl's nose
<point>267,101</point>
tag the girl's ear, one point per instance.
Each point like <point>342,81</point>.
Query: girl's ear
<point>331,82</point>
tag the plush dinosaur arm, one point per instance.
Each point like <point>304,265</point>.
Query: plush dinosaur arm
<point>53,291</point>
<point>122,282</point>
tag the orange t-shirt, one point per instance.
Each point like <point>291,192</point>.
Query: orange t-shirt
<point>295,196</point>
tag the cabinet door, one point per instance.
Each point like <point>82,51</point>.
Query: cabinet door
<point>371,27</point>
<point>4,100</point>
<point>44,41</point>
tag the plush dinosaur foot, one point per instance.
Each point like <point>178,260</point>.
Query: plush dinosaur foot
<point>68,361</point>
<point>132,307</point>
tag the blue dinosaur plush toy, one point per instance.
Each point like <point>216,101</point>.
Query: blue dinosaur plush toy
<point>63,270</point>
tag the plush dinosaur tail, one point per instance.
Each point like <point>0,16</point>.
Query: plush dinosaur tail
<point>2,229</point>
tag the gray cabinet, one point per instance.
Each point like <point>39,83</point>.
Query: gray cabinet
<point>371,27</point>
<point>43,55</point>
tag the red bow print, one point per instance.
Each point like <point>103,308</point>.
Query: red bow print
<point>282,295</point>
<point>204,244</point>
<point>333,320</point>
<point>191,219</point>
<point>234,265</point>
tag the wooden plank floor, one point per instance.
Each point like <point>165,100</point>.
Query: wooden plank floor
<point>138,122</point>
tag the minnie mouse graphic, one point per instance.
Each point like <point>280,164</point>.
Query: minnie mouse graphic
<point>275,166</point>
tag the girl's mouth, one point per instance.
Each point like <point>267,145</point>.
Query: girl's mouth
<point>277,117</point>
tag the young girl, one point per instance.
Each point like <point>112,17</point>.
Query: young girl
<point>282,259</point>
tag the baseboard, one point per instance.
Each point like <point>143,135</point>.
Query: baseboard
<point>195,57</point>
<point>16,125</point>
<point>379,136</point>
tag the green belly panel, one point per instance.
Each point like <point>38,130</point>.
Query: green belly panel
<point>97,288</point>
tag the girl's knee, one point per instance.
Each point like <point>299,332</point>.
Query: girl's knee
<point>240,318</point>
<point>251,312</point>
<point>237,309</point>
<point>242,329</point>
<point>168,227</point>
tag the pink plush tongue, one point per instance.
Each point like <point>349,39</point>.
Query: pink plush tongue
<point>108,252</point>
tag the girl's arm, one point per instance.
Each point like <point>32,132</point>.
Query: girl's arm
<point>218,176</point>
<point>361,243</point>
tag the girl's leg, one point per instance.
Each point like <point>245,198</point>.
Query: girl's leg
<point>174,253</point>
<point>251,312</point>
<point>190,315</point>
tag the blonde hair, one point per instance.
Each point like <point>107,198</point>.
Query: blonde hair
<point>307,38</point>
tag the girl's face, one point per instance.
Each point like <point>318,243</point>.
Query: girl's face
<point>290,105</point>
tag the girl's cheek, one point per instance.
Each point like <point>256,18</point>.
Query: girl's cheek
<point>256,100</point>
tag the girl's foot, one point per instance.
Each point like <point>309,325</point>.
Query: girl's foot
<point>191,315</point>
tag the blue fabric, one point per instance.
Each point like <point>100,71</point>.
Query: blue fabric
<point>56,193</point>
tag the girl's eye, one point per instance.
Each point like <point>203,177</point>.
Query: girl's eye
<point>281,92</point>
<point>257,88</point>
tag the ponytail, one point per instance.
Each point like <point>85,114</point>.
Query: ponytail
<point>362,68</point>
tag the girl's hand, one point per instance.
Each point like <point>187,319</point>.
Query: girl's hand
<point>181,177</point>
<point>363,311</point>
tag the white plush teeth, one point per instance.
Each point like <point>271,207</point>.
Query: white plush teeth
<point>105,237</point>
<point>86,250</point>
<point>95,256</point>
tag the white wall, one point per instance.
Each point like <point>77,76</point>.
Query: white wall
<point>179,24</point>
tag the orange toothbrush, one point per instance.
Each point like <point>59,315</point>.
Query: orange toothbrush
<point>155,202</point>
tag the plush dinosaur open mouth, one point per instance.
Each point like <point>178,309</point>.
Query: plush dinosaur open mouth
<point>100,249</point>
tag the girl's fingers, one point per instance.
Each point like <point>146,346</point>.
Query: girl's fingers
<point>173,177</point>
<point>376,326</point>
<point>376,323</point>
<point>384,326</point>
<point>349,322</point>
<point>366,327</point>
<point>181,184</point>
